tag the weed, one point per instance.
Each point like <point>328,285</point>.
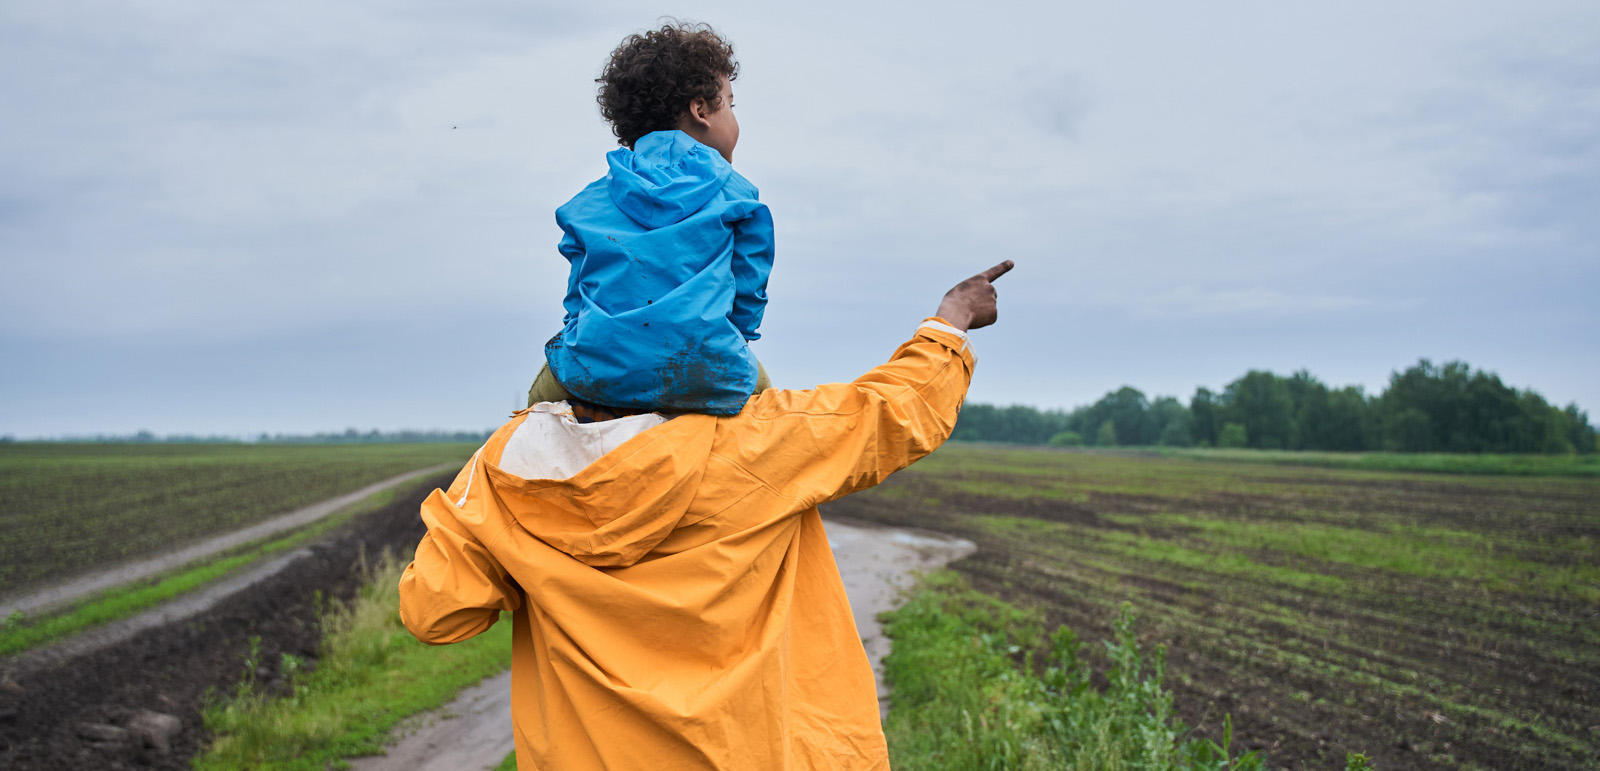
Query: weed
<point>371,674</point>
<point>967,695</point>
<point>246,691</point>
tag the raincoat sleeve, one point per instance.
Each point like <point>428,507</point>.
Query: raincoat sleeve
<point>752,264</point>
<point>572,249</point>
<point>454,588</point>
<point>837,439</point>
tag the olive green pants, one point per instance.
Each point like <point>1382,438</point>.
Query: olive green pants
<point>546,388</point>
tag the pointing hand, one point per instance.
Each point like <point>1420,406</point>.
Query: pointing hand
<point>971,303</point>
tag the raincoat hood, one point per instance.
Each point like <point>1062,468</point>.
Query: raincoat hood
<point>666,177</point>
<point>562,482</point>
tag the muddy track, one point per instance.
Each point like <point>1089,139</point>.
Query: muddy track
<point>53,714</point>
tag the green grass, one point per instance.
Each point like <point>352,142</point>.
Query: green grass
<point>1134,546</point>
<point>1434,462</point>
<point>22,633</point>
<point>1425,552</point>
<point>371,675</point>
<point>967,695</point>
<point>1211,561</point>
<point>73,507</point>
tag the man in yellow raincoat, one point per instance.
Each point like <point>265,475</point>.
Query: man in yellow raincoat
<point>676,605</point>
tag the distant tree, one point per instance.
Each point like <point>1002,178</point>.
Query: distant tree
<point>1107,435</point>
<point>1176,434</point>
<point>973,422</point>
<point>1067,439</point>
<point>1580,434</point>
<point>1018,424</point>
<point>1547,425</point>
<point>1450,408</point>
<point>1349,419</point>
<point>1172,422</point>
<point>1453,408</point>
<point>1203,411</point>
<point>1128,412</point>
<point>1409,431</point>
<point>1261,402</point>
<point>1311,411</point>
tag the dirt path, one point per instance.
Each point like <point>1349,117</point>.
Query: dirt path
<point>878,564</point>
<point>89,584</point>
<point>177,609</point>
<point>474,731</point>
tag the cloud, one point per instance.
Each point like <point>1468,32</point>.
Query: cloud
<point>180,179</point>
<point>198,172</point>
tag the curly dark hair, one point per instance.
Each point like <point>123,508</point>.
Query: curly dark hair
<point>653,76</point>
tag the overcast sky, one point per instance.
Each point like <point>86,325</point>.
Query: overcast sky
<point>301,216</point>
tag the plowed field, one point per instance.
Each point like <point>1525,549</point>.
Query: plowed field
<point>68,509</point>
<point>1430,621</point>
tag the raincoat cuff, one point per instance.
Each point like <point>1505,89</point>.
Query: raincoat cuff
<point>938,329</point>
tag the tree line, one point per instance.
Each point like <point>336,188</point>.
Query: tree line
<point>1426,408</point>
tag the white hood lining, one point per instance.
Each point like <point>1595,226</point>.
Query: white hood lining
<point>552,444</point>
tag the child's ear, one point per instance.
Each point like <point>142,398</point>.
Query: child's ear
<point>700,112</point>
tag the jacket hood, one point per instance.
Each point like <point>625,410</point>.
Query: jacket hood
<point>629,481</point>
<point>665,177</point>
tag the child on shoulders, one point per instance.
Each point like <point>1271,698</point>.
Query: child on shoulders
<point>671,250</point>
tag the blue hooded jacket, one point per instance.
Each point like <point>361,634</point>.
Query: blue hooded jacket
<point>670,255</point>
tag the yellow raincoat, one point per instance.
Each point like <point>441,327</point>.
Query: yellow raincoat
<point>676,602</point>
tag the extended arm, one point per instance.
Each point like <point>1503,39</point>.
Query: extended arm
<point>454,588</point>
<point>836,439</point>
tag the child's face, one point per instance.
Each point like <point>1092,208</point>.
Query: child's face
<point>720,128</point>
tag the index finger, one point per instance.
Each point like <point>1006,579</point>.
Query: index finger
<point>997,271</point>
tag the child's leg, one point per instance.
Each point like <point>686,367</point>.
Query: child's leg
<point>762,381</point>
<point>546,388</point>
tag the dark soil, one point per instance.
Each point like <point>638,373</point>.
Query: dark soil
<point>50,715</point>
